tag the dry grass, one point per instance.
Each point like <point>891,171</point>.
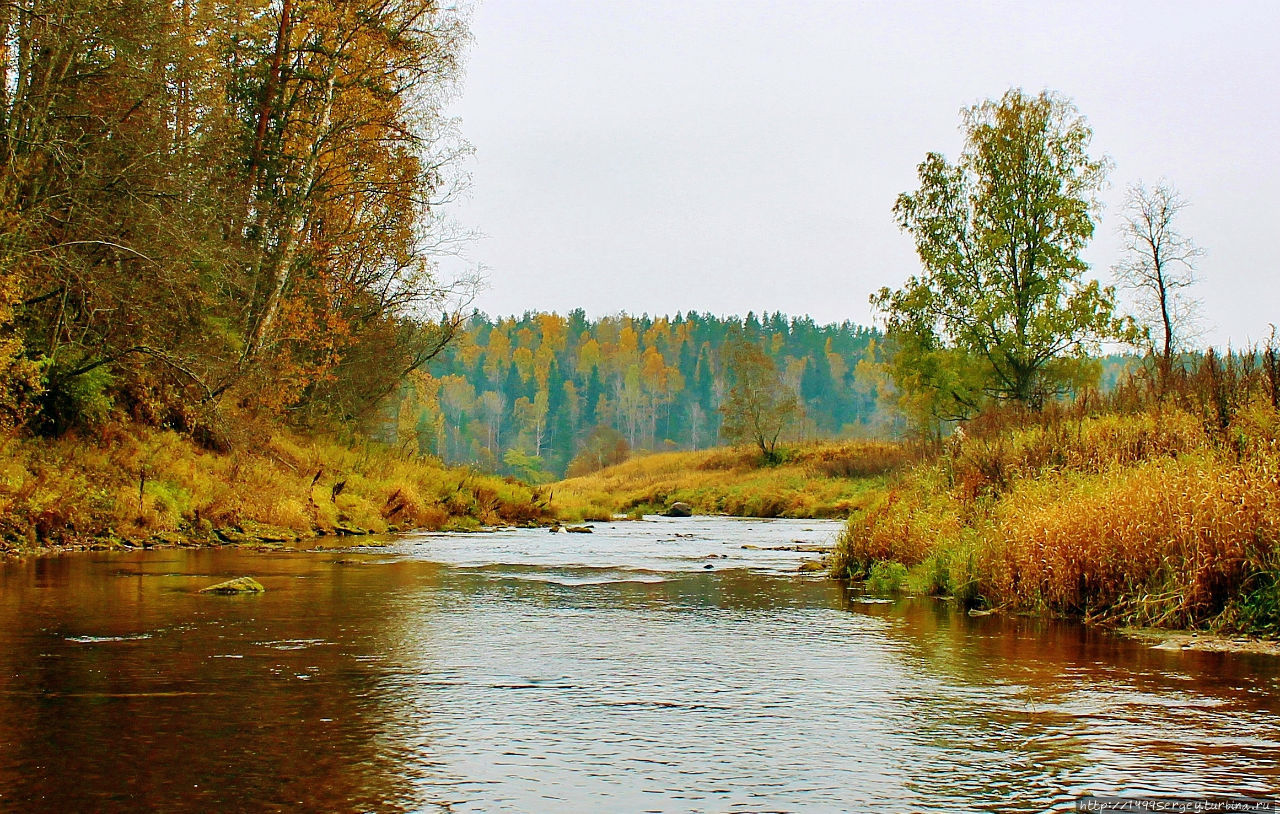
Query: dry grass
<point>133,483</point>
<point>1168,516</point>
<point>814,480</point>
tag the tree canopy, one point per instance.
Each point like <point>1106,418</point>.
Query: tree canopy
<point>220,202</point>
<point>544,383</point>
<point>1002,309</point>
<point>759,406</point>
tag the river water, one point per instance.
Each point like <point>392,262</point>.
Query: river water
<point>531,672</point>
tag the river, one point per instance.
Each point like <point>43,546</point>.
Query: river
<point>525,671</point>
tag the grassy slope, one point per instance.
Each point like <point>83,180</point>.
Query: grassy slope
<point>1157,518</point>
<point>814,480</point>
<point>134,484</point>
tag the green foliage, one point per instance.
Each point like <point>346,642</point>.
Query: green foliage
<point>949,571</point>
<point>759,406</point>
<point>85,399</point>
<point>170,501</point>
<point>887,577</point>
<point>1257,610</point>
<point>527,468</point>
<point>1002,310</point>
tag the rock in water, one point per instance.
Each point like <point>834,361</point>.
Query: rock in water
<point>578,529</point>
<point>809,566</point>
<point>679,510</point>
<point>239,585</point>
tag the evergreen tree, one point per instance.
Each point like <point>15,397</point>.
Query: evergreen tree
<point>591,398</point>
<point>559,423</point>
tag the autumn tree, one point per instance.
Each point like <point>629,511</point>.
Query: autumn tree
<point>109,130</point>
<point>346,169</point>
<point>604,446</point>
<point>206,202</point>
<point>759,405</point>
<point>1002,309</point>
<point>1159,265</point>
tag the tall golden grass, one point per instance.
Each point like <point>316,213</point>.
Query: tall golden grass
<point>827,479</point>
<point>1158,510</point>
<point>126,482</point>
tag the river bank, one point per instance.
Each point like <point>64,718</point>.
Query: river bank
<point>1200,641</point>
<point>1147,520</point>
<point>128,485</point>
<point>1159,518</point>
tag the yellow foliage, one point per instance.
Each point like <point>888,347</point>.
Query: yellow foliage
<point>129,482</point>
<point>1145,519</point>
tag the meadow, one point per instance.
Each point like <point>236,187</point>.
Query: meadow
<point>817,479</point>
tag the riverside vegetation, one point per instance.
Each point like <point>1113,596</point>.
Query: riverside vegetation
<point>818,479</point>
<point>127,484</point>
<point>218,225</point>
<point>1149,508</point>
<point>1154,505</point>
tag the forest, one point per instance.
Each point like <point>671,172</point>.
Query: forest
<point>543,394</point>
<point>220,223</point>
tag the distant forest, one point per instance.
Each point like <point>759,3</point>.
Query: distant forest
<point>527,395</point>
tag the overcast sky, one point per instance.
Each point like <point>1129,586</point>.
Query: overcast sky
<point>734,156</point>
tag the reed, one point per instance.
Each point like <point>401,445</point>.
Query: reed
<point>1159,509</point>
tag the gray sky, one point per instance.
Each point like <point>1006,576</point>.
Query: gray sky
<point>734,156</point>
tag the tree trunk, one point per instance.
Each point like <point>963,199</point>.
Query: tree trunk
<point>289,237</point>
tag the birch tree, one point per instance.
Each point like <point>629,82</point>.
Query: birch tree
<point>1159,266</point>
<point>999,233</point>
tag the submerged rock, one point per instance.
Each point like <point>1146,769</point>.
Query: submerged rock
<point>579,529</point>
<point>812,565</point>
<point>678,509</point>
<point>239,585</point>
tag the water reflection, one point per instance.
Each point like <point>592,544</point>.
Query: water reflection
<point>1048,710</point>
<point>531,672</point>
